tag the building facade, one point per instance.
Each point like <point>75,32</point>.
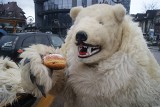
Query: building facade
<point>148,20</point>
<point>150,24</point>
<point>157,23</point>
<point>12,17</point>
<point>52,15</point>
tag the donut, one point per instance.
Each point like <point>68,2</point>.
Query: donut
<point>54,61</point>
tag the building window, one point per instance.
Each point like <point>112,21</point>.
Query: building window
<point>10,12</point>
<point>100,1</point>
<point>45,6</point>
<point>1,13</point>
<point>21,14</point>
<point>79,2</point>
<point>89,2</point>
<point>158,20</point>
<point>57,4</point>
<point>67,4</point>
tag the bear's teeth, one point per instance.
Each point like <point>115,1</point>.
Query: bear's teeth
<point>85,46</point>
<point>89,50</point>
<point>85,51</point>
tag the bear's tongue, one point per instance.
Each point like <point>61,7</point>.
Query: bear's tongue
<point>82,50</point>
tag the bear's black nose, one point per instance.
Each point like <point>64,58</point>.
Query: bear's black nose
<point>81,36</point>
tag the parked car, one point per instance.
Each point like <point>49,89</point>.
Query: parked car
<point>12,45</point>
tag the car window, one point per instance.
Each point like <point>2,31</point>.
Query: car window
<point>7,42</point>
<point>42,39</point>
<point>28,41</point>
<point>57,41</point>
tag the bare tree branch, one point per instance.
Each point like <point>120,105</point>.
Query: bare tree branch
<point>151,5</point>
<point>1,2</point>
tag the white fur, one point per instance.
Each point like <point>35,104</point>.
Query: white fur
<point>117,81</point>
<point>36,68</point>
<point>10,79</point>
<point>123,74</point>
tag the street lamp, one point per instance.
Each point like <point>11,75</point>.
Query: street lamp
<point>117,1</point>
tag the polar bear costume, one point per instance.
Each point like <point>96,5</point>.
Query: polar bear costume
<point>108,63</point>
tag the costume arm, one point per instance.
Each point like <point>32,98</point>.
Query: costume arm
<point>36,77</point>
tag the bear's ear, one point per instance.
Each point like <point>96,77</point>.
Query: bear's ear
<point>119,12</point>
<point>74,12</point>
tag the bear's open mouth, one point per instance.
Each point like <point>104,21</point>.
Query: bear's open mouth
<point>87,50</point>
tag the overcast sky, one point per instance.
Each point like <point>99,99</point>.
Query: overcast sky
<point>137,6</point>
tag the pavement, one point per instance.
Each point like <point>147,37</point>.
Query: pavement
<point>156,52</point>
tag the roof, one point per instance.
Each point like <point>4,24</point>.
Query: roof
<point>150,14</point>
<point>139,16</point>
<point>17,12</point>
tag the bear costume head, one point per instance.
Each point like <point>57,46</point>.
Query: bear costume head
<point>101,30</point>
<point>97,31</point>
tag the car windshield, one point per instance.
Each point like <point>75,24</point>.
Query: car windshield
<point>57,41</point>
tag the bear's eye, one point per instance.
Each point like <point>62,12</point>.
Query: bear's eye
<point>100,22</point>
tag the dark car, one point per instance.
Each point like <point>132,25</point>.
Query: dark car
<point>12,45</point>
